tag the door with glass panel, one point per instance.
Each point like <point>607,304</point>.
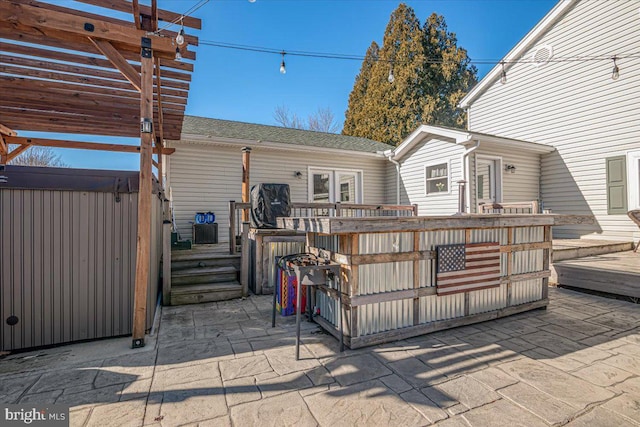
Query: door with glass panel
<point>487,191</point>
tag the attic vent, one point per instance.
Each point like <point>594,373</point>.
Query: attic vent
<point>542,55</point>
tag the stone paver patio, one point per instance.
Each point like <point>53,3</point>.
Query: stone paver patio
<point>220,364</point>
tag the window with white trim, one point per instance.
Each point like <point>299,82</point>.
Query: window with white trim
<point>335,185</point>
<point>437,178</point>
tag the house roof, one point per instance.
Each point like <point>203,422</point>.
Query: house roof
<point>463,137</point>
<point>522,47</point>
<point>232,131</point>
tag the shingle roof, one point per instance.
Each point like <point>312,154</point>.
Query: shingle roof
<point>254,132</point>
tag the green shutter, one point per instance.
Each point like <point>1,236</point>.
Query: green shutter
<point>616,185</point>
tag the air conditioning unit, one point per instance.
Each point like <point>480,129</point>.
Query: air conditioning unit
<point>204,234</point>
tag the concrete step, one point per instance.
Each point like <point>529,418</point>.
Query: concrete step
<point>201,260</point>
<point>205,292</point>
<point>191,276</point>
<point>564,250</point>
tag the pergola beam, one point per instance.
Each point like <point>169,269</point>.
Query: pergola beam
<point>40,17</point>
<point>81,145</point>
<point>6,131</point>
<point>163,15</point>
<point>118,61</point>
<point>16,152</point>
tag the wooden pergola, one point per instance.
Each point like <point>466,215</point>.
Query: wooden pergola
<point>64,70</point>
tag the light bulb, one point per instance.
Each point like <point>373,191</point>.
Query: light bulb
<point>178,55</point>
<point>391,78</point>
<point>180,37</point>
<point>283,70</point>
<point>252,1</point>
<point>615,74</point>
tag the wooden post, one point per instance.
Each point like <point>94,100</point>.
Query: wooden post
<point>416,279</point>
<point>143,246</point>
<point>232,227</point>
<point>244,260</point>
<point>546,260</point>
<point>166,255</point>
<point>246,153</point>
<point>4,150</point>
<point>509,265</point>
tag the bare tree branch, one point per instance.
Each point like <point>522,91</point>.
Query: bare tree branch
<point>322,120</point>
<point>39,156</point>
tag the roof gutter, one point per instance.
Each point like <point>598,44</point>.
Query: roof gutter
<point>389,154</point>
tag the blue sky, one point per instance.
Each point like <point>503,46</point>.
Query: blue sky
<point>247,86</point>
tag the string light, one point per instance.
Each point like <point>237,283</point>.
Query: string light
<point>615,74</point>
<point>178,54</point>
<point>283,69</point>
<point>180,36</point>
<point>391,77</point>
<point>327,55</point>
<point>503,75</point>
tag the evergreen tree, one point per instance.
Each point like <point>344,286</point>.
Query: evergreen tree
<point>357,96</point>
<point>430,75</point>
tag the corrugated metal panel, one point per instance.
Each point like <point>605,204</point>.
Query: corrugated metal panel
<point>527,261</point>
<point>385,277</point>
<point>434,308</point>
<point>587,120</point>
<point>278,249</point>
<point>205,177</point>
<point>329,243</point>
<point>429,240</point>
<point>526,291</point>
<point>528,235</point>
<point>487,299</point>
<point>385,316</point>
<point>328,308</point>
<point>67,266</point>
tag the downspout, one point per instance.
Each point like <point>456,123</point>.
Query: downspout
<point>462,206</point>
<point>389,155</point>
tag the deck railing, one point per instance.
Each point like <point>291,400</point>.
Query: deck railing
<point>317,210</point>
<point>510,208</point>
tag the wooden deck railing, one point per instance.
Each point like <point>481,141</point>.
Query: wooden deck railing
<point>317,210</point>
<point>510,208</point>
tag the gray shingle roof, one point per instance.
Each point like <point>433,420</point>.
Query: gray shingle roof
<point>254,132</point>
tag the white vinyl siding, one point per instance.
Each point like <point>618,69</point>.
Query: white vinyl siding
<point>412,177</point>
<point>522,185</point>
<point>206,177</point>
<point>577,108</point>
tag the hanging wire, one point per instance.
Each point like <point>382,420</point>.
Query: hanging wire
<point>351,57</point>
<point>190,11</point>
<point>503,74</point>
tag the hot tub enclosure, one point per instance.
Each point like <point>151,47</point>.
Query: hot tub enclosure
<point>68,255</point>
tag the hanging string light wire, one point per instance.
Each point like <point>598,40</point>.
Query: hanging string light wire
<point>180,19</point>
<point>351,57</point>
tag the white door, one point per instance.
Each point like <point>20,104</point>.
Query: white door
<point>322,187</point>
<point>633,177</point>
<point>347,187</point>
<point>487,181</point>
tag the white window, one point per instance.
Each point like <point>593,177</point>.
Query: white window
<point>437,178</point>
<point>332,185</point>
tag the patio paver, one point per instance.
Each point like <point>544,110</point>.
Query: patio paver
<point>221,364</point>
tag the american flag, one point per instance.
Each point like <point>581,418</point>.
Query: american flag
<point>470,267</point>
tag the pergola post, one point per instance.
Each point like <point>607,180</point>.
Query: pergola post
<point>246,154</point>
<point>143,249</point>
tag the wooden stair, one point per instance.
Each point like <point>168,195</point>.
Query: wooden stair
<point>205,273</point>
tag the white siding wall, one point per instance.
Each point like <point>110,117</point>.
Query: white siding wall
<point>412,177</point>
<point>206,177</point>
<point>576,107</point>
<point>521,186</point>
